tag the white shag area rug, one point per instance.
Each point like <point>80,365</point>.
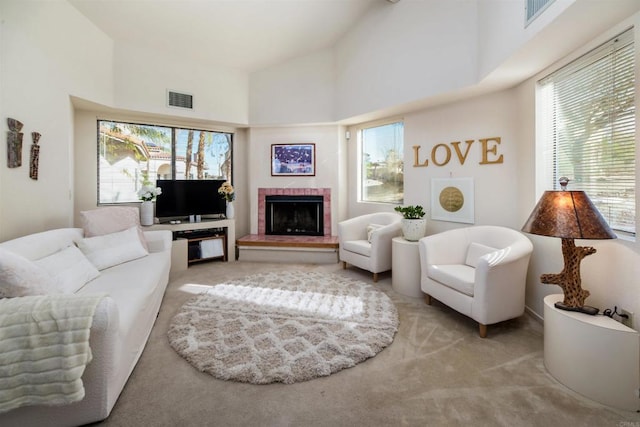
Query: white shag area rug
<point>283,327</point>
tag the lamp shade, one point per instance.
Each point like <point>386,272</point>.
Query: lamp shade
<point>567,214</point>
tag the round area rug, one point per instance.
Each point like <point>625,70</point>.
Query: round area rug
<point>283,327</point>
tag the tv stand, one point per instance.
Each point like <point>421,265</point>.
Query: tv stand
<point>187,233</point>
<point>190,219</point>
<point>204,245</point>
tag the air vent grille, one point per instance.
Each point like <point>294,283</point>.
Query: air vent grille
<point>534,8</point>
<point>181,100</point>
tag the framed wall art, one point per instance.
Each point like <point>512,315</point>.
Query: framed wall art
<point>293,159</point>
<point>452,199</point>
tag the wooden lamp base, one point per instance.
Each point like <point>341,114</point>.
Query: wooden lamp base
<point>569,278</point>
<point>586,309</point>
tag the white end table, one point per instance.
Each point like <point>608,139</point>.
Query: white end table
<point>405,267</point>
<point>592,355</point>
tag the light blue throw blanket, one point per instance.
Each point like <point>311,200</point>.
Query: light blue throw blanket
<point>44,348</point>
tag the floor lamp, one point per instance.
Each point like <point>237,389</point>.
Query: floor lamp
<point>569,215</point>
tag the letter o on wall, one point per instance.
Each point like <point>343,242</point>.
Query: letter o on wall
<point>434,154</point>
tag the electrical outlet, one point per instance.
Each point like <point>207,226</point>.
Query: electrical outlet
<point>628,321</point>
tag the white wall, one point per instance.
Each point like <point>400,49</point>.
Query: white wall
<point>86,161</point>
<point>403,52</point>
<point>509,53</point>
<point>397,53</point>
<point>329,152</point>
<point>501,31</point>
<point>495,185</point>
<point>401,56</point>
<point>49,52</point>
<point>241,178</point>
<point>143,76</point>
<point>297,91</point>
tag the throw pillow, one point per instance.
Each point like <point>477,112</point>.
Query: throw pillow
<point>20,277</point>
<point>475,252</point>
<point>101,221</point>
<point>370,229</point>
<point>69,268</point>
<point>113,249</point>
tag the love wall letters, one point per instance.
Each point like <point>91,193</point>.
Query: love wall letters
<point>441,154</point>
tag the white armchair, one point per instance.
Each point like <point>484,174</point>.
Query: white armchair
<point>478,271</point>
<point>365,241</point>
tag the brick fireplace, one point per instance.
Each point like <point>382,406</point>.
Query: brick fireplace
<point>290,248</point>
<point>325,193</point>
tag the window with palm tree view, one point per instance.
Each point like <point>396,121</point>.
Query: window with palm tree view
<point>382,164</point>
<point>133,155</point>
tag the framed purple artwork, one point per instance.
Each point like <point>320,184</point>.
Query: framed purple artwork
<point>293,159</point>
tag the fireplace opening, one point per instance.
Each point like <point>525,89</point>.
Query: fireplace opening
<point>294,215</point>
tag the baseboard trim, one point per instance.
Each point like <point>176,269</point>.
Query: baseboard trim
<point>534,315</point>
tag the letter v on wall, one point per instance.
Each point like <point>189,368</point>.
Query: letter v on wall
<point>462,157</point>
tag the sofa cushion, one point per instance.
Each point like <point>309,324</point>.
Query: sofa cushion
<point>39,245</point>
<point>20,277</point>
<point>475,252</point>
<point>135,288</point>
<point>371,228</point>
<point>361,247</point>
<point>101,221</point>
<point>113,249</point>
<point>459,277</point>
<point>70,269</point>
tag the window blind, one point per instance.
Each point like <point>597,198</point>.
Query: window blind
<point>588,125</point>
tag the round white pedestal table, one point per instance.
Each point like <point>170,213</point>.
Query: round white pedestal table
<point>405,267</point>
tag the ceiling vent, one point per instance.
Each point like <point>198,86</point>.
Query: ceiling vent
<point>534,8</point>
<point>182,100</point>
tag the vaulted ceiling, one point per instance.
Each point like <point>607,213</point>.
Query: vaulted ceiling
<point>251,35</point>
<point>243,34</point>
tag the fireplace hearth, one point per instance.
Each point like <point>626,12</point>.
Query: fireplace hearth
<point>318,248</point>
<point>263,193</point>
<point>294,215</point>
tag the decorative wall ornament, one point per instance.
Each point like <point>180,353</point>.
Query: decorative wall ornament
<point>442,154</point>
<point>452,199</point>
<point>14,143</point>
<point>35,156</point>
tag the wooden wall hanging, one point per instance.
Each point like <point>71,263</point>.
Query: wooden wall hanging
<point>35,155</point>
<point>14,143</point>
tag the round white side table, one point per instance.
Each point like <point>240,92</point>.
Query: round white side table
<point>592,355</point>
<point>405,267</point>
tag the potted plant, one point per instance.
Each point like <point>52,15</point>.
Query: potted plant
<point>414,225</point>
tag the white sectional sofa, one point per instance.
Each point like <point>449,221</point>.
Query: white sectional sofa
<point>121,324</point>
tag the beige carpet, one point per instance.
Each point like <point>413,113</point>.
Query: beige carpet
<point>437,372</point>
<point>286,326</point>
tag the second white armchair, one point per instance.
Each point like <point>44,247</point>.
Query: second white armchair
<point>365,241</point>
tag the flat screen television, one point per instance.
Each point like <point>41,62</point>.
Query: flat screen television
<point>181,198</point>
